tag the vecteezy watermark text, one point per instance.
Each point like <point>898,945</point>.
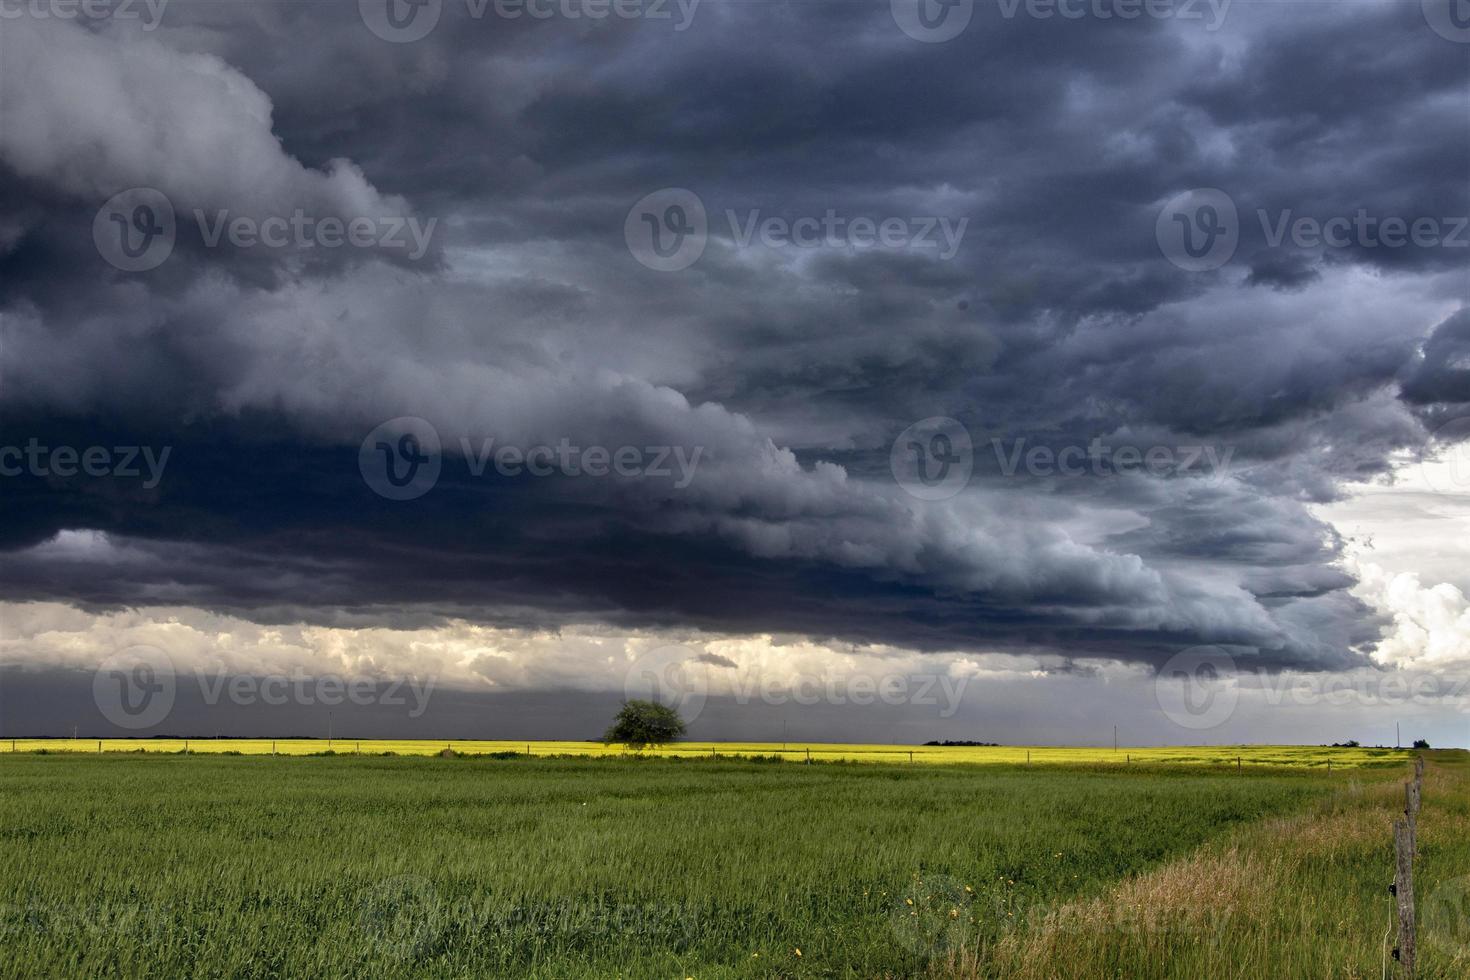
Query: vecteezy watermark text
<point>669,229</point>
<point>137,688</point>
<point>1098,458</point>
<point>405,21</point>
<point>401,459</point>
<point>936,21</point>
<point>126,462</point>
<point>1199,230</point>
<point>404,915</point>
<point>148,12</point>
<point>833,230</point>
<point>301,230</point>
<point>684,679</point>
<point>137,229</point>
<point>1201,687</point>
<point>305,689</point>
<point>934,459</point>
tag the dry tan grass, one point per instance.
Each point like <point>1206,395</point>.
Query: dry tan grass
<point>1246,887</point>
<point>1188,900</point>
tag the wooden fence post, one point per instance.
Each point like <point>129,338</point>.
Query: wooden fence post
<point>1403,889</point>
<point>1405,832</point>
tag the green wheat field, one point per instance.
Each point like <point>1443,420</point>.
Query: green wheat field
<point>697,862</point>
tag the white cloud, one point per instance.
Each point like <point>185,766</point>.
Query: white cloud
<point>1431,624</point>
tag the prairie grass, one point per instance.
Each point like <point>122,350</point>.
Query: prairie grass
<point>206,866</point>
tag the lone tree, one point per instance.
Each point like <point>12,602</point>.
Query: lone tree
<point>642,723</point>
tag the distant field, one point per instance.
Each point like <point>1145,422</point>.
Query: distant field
<point>1274,755</point>
<point>201,866</point>
<point>343,866</point>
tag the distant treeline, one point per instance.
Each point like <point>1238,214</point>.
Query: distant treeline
<point>1419,743</point>
<point>960,742</point>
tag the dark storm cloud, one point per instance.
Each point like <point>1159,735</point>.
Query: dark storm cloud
<point>1057,322</point>
<point>1443,375</point>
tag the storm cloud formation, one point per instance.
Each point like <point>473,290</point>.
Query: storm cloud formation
<point>1058,333</point>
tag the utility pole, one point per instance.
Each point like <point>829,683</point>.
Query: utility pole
<point>1398,742</point>
<point>1115,738</point>
<point>329,729</point>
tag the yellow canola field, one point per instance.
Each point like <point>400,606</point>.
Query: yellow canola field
<point>1275,755</point>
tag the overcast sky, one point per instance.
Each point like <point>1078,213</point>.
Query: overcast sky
<point>871,370</point>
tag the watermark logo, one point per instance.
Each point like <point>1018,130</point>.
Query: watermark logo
<point>1193,688</point>
<point>1100,459</point>
<point>681,678</point>
<point>667,230</point>
<point>1366,688</point>
<point>308,690</point>
<point>402,234</point>
<point>932,21</point>
<point>1447,915</point>
<point>1198,230</point>
<point>1362,230</point>
<point>932,915</point>
<point>942,692</point>
<point>674,463</point>
<point>674,676</point>
<point>135,687</point>
<point>1212,12</point>
<point>86,919</point>
<point>401,459</point>
<point>124,462</point>
<point>400,21</point>
<point>933,458</point>
<point>148,12</point>
<point>936,21</point>
<point>135,230</point>
<point>1450,19</point>
<point>1447,469</point>
<point>404,21</point>
<point>401,916</point>
<point>838,231</point>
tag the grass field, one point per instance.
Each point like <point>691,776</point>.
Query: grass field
<point>207,866</point>
<point>1274,755</point>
